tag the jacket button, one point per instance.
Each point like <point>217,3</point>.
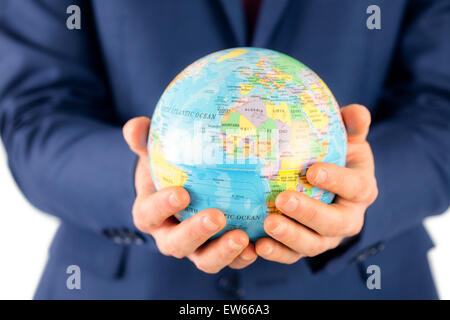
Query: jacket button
<point>361,257</point>
<point>127,236</point>
<point>381,245</point>
<point>107,233</point>
<point>370,251</point>
<point>117,240</point>
<point>376,248</point>
<point>139,239</point>
<point>124,236</point>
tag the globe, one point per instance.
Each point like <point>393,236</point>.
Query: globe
<point>239,126</point>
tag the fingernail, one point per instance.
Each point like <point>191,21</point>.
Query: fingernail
<point>209,224</point>
<point>143,140</point>
<point>234,245</point>
<point>246,258</point>
<point>267,250</point>
<point>174,201</point>
<point>350,130</point>
<point>276,228</point>
<point>321,176</point>
<point>290,205</point>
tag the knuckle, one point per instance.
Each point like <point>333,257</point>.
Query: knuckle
<point>370,193</point>
<point>141,218</point>
<point>308,215</point>
<point>178,254</point>
<point>173,249</point>
<point>374,194</point>
<point>225,253</point>
<point>191,232</point>
<point>333,244</point>
<point>213,270</point>
<point>162,249</point>
<point>356,227</point>
<point>333,180</point>
<point>353,230</point>
<point>235,266</point>
<point>367,148</point>
<point>292,236</point>
<point>361,188</point>
<point>136,209</point>
<point>294,259</point>
<point>206,267</point>
<point>287,236</point>
<point>238,266</point>
<point>337,227</point>
<point>317,248</point>
<point>140,223</point>
<point>355,224</point>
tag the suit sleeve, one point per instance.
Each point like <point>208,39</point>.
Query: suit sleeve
<point>410,135</point>
<point>64,141</point>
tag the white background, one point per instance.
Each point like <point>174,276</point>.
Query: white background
<point>25,235</point>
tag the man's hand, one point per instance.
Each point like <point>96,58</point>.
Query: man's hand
<point>153,214</point>
<point>310,227</point>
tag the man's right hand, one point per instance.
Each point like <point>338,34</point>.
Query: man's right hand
<point>153,214</point>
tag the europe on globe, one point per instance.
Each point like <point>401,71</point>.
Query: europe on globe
<point>239,126</point>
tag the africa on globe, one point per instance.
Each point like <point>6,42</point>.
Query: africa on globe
<point>239,126</point>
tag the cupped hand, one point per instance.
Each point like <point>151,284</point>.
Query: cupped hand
<point>309,227</point>
<point>153,213</point>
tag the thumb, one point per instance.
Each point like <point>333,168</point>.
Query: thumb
<point>357,121</point>
<point>135,132</point>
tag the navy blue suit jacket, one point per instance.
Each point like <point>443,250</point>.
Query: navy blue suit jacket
<point>64,95</point>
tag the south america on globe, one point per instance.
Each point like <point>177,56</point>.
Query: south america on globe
<point>239,126</point>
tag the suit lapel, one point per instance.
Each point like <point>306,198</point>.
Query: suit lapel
<point>235,16</point>
<point>269,16</point>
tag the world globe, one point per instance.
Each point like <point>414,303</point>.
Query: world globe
<point>239,126</point>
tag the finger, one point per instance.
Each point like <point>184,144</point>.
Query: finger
<point>220,252</point>
<point>246,258</point>
<point>359,155</point>
<point>352,184</point>
<point>150,211</point>
<point>272,250</point>
<point>143,181</point>
<point>135,132</point>
<point>295,236</point>
<point>184,238</point>
<point>357,121</point>
<point>327,220</point>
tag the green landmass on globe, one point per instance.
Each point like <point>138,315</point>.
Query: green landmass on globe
<point>239,126</point>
